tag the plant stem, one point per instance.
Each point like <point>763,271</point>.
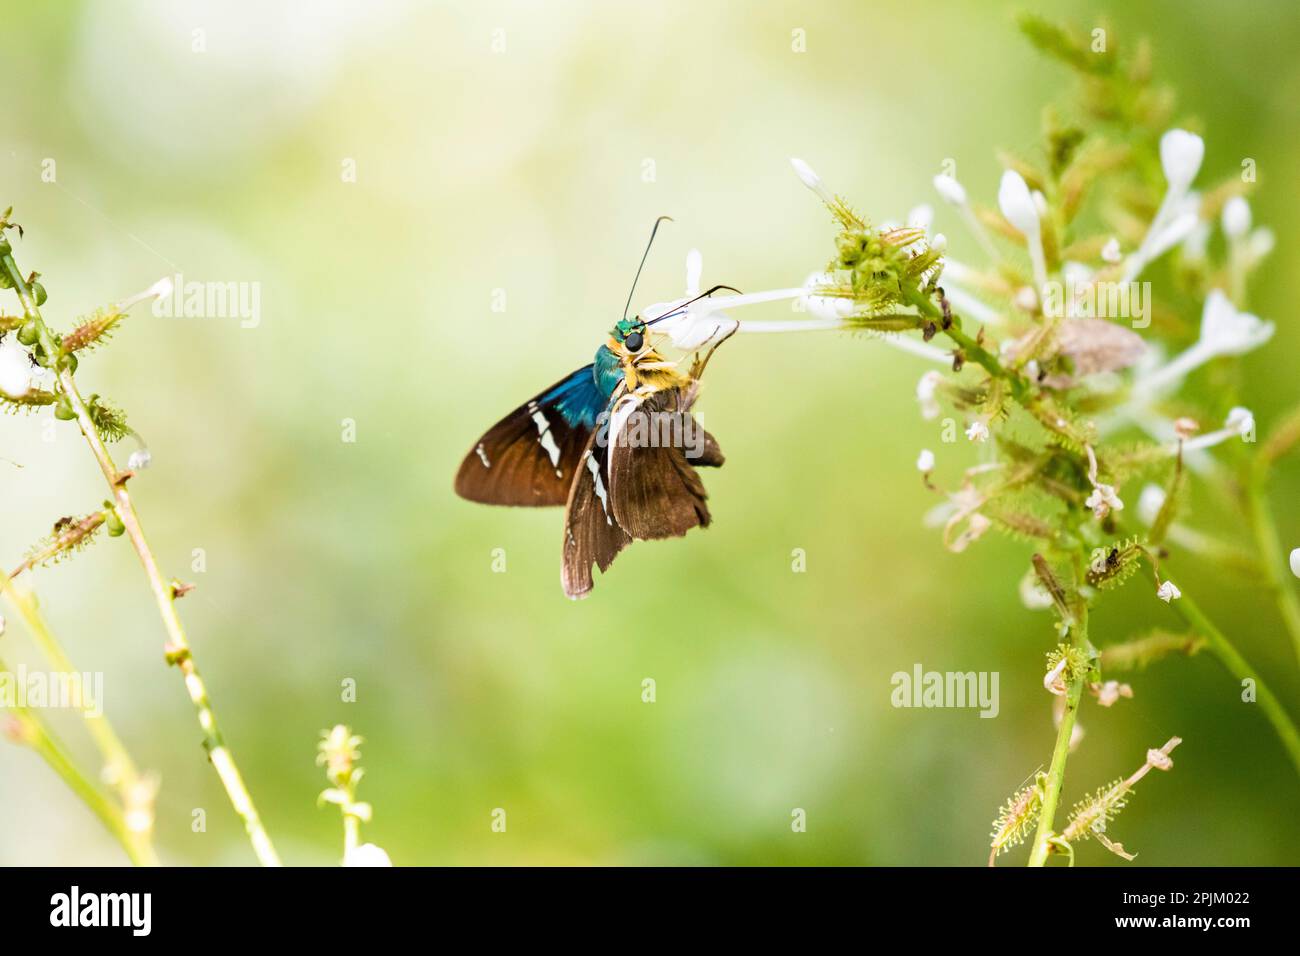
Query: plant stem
<point>119,769</point>
<point>1060,753</point>
<point>178,647</point>
<point>1240,668</point>
<point>1271,554</point>
<point>33,732</point>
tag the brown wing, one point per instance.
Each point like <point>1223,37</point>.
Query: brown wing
<point>530,457</point>
<point>591,533</point>
<point>654,487</point>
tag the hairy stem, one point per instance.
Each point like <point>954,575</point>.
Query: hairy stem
<point>1042,845</point>
<point>178,647</point>
<point>1240,668</point>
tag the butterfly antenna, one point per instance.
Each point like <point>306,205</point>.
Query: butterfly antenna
<point>703,295</point>
<point>644,256</point>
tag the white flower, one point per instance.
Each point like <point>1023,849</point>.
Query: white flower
<point>1236,217</point>
<point>139,460</point>
<point>1229,332</point>
<point>15,369</point>
<point>1150,502</point>
<point>367,855</point>
<point>1241,419</point>
<point>162,289</point>
<point>1159,241</point>
<point>939,243</point>
<point>1017,204</point>
<point>1295,562</point>
<point>1052,680</point>
<point>1181,153</point>
<point>925,392</point>
<point>925,461</point>
<point>978,431</point>
<point>812,181</point>
<point>953,192</point>
<point>1103,500</point>
<point>1224,331</point>
<point>1110,252</point>
<point>1168,591</point>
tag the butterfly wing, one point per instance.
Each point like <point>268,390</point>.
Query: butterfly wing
<point>654,488</point>
<point>530,457</point>
<point>591,533</point>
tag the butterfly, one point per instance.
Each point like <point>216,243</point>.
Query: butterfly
<point>614,442</point>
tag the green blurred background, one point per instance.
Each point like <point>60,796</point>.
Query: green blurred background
<point>523,171</point>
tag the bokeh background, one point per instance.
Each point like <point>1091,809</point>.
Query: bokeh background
<point>522,171</point>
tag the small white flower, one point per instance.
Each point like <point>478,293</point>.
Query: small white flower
<point>939,243</point>
<point>1168,591</point>
<point>812,180</point>
<point>1229,332</point>
<point>1103,500</point>
<point>1052,680</point>
<point>15,369</point>
<point>953,192</point>
<point>978,431</point>
<point>139,460</point>
<point>1236,218</point>
<point>1224,331</point>
<point>1150,502</point>
<point>1295,562</point>
<point>367,854</point>
<point>1242,420</point>
<point>925,461</point>
<point>1110,252</point>
<point>1159,241</point>
<point>1181,153</point>
<point>1017,204</point>
<point>161,289</point>
<point>925,394</point>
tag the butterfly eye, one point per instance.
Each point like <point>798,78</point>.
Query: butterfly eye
<point>634,342</point>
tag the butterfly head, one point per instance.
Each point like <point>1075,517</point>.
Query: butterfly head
<point>630,336</point>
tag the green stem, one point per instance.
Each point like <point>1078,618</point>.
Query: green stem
<point>178,647</point>
<point>1042,845</point>
<point>1240,668</point>
<point>1271,553</point>
<point>974,351</point>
